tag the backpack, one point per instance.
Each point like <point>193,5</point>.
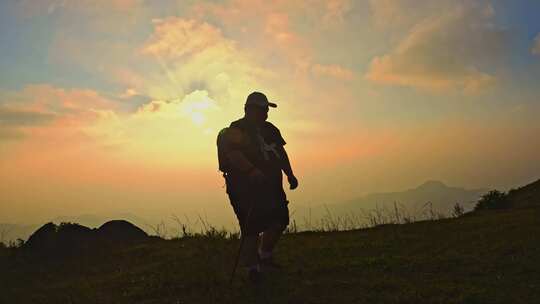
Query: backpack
<point>223,162</point>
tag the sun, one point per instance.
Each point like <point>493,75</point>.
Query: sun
<point>197,106</point>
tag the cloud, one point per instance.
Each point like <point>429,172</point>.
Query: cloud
<point>387,12</point>
<point>195,106</point>
<point>399,14</point>
<point>190,55</point>
<point>275,32</point>
<point>265,29</point>
<point>44,110</point>
<point>208,46</point>
<point>334,71</point>
<point>176,37</point>
<point>13,121</point>
<point>45,117</point>
<point>336,10</point>
<point>15,117</point>
<point>62,101</point>
<point>433,55</point>
<point>9,134</point>
<point>175,132</point>
<point>29,8</point>
<point>535,50</point>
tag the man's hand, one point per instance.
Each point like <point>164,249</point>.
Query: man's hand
<point>256,175</point>
<point>293,182</point>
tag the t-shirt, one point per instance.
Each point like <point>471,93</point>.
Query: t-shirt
<point>262,146</point>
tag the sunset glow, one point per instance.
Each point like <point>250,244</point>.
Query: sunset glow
<point>114,106</point>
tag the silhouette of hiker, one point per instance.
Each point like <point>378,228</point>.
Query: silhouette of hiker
<point>252,162</point>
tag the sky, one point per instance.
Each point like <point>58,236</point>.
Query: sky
<point>114,106</point>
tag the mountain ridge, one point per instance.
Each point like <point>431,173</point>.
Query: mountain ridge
<point>438,193</point>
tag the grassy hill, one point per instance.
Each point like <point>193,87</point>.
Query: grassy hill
<point>442,197</point>
<point>428,200</point>
<point>525,196</point>
<point>485,257</point>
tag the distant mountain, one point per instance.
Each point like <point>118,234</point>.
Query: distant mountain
<point>441,197</point>
<point>432,195</point>
<point>430,198</point>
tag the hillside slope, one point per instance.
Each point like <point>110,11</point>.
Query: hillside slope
<point>442,197</point>
<point>488,258</point>
<point>421,202</point>
<point>525,196</point>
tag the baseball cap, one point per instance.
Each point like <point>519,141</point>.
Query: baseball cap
<point>259,99</point>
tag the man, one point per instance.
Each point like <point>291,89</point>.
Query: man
<point>255,157</point>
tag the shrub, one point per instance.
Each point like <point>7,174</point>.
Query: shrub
<point>458,210</point>
<point>492,200</point>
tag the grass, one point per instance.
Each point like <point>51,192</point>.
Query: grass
<point>328,222</point>
<point>487,257</point>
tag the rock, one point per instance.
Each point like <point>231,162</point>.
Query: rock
<point>42,239</point>
<point>120,230</point>
<point>68,239</point>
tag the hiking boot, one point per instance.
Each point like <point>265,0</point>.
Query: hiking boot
<point>269,262</point>
<point>255,276</point>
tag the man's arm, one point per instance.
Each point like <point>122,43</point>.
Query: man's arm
<point>286,164</point>
<point>235,156</point>
<point>287,169</point>
<point>239,161</point>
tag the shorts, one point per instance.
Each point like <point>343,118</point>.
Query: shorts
<point>258,207</point>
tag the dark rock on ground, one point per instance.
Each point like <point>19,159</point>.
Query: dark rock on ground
<point>72,239</point>
<point>43,238</point>
<point>120,230</point>
<point>60,240</point>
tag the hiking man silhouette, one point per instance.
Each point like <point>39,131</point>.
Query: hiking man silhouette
<point>255,159</point>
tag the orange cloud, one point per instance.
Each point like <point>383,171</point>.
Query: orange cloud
<point>336,10</point>
<point>398,14</point>
<point>175,37</point>
<point>31,8</point>
<point>277,26</point>
<point>265,25</point>
<point>267,29</point>
<point>426,59</point>
<point>335,71</point>
<point>194,55</point>
<point>385,12</point>
<point>535,50</point>
<point>47,111</point>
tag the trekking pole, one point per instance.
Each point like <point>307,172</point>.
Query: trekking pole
<point>241,245</point>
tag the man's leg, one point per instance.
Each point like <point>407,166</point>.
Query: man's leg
<point>269,239</point>
<point>271,236</point>
<point>250,239</point>
<point>249,251</point>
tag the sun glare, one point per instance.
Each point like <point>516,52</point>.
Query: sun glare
<point>197,106</point>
